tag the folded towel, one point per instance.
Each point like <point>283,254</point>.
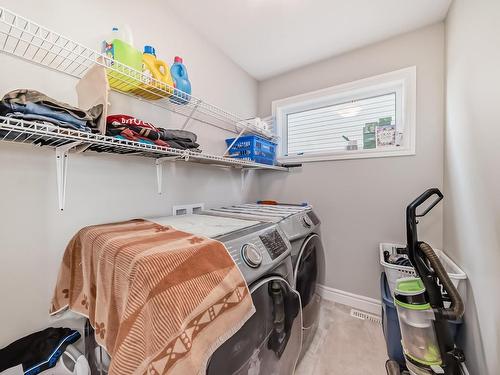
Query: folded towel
<point>161,301</point>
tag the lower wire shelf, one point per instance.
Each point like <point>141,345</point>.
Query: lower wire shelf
<point>64,140</point>
<point>42,134</point>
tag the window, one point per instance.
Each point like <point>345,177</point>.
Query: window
<point>373,117</point>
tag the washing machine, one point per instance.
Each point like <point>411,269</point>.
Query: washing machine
<point>270,342</point>
<point>301,227</point>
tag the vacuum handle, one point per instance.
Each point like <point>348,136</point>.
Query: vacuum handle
<point>423,198</point>
<point>411,219</point>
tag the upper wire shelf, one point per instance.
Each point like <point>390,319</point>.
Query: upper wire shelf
<point>23,38</point>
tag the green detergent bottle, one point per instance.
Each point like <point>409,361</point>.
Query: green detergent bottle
<point>118,47</point>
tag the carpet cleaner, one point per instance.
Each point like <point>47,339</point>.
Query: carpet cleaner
<point>428,345</point>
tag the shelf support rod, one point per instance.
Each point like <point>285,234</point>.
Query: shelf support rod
<point>234,141</point>
<point>190,116</point>
<point>159,169</point>
<point>62,156</point>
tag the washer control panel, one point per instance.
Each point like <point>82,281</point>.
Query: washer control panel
<point>274,243</point>
<point>251,255</point>
<point>257,250</point>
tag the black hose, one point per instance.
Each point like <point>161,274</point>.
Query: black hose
<point>456,310</point>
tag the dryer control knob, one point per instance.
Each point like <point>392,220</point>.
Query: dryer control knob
<point>306,222</point>
<point>251,255</point>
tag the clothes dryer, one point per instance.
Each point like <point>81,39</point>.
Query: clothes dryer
<point>301,227</point>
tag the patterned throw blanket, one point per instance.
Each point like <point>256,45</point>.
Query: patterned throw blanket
<point>161,301</point>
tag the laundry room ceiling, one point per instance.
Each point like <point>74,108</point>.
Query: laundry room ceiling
<point>269,37</point>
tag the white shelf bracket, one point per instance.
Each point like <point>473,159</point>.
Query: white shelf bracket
<point>159,176</point>
<point>244,176</point>
<point>159,170</point>
<point>62,157</point>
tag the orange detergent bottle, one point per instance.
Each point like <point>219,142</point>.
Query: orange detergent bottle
<point>157,81</point>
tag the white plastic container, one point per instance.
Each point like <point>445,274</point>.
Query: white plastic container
<point>256,126</point>
<point>394,272</point>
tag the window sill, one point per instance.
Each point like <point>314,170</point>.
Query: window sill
<point>345,155</point>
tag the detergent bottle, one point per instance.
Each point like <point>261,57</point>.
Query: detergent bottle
<point>155,69</point>
<point>120,57</point>
<point>182,93</point>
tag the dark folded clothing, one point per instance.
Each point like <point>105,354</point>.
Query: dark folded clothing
<point>177,135</point>
<point>136,129</point>
<point>34,103</point>
<point>182,139</point>
<point>180,144</point>
<point>38,351</point>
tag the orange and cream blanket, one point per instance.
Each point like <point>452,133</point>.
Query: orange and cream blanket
<point>161,301</point>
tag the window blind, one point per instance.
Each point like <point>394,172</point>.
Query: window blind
<point>323,129</point>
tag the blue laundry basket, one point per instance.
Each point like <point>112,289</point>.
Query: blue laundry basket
<point>253,148</point>
<point>390,323</point>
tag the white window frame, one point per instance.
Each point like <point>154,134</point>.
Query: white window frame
<point>403,82</point>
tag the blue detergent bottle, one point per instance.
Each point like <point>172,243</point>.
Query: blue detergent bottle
<point>181,81</point>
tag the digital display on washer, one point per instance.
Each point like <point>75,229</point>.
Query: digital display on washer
<point>274,243</point>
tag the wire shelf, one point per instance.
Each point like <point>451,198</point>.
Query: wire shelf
<point>44,134</point>
<point>26,39</point>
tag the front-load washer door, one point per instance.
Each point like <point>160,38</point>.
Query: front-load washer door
<point>307,274</point>
<point>269,343</point>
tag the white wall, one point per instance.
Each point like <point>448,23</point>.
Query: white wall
<point>472,177</point>
<point>362,202</point>
<point>101,188</point>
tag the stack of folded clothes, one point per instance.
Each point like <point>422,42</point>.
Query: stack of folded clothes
<point>131,128</point>
<point>35,106</point>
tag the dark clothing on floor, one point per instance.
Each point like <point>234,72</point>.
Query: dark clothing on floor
<point>39,351</point>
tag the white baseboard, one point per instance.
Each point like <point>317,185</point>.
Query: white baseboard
<point>370,305</point>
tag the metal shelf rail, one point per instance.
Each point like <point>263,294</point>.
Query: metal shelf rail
<point>26,39</point>
<point>64,140</point>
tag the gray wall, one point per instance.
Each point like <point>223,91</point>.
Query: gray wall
<point>101,188</point>
<point>472,177</point>
<point>362,202</point>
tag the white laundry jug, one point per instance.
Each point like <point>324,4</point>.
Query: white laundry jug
<point>71,362</point>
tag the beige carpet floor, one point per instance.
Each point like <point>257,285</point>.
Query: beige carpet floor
<point>344,345</point>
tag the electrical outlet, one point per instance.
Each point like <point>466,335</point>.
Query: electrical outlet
<point>188,209</point>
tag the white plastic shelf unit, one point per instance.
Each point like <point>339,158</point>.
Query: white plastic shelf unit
<point>28,40</point>
<point>64,140</point>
